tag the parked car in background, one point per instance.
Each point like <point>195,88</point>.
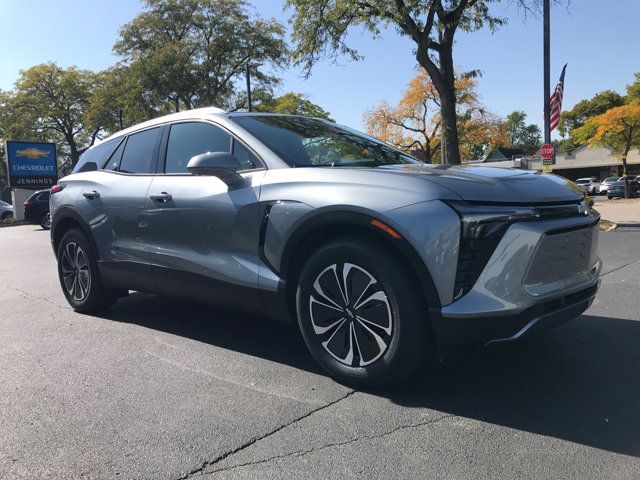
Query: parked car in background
<point>604,186</point>
<point>591,185</point>
<point>616,190</point>
<point>36,209</point>
<point>6,210</point>
<point>375,255</point>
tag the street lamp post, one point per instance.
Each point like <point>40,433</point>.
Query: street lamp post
<point>248,75</point>
<point>547,72</point>
<point>248,67</point>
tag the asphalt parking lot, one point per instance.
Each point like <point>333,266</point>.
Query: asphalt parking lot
<point>161,389</point>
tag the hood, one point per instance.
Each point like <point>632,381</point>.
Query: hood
<point>489,184</point>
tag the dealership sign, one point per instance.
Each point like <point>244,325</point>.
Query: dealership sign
<point>31,164</point>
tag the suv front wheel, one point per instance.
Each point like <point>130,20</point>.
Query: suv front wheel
<point>79,277</point>
<point>362,314</point>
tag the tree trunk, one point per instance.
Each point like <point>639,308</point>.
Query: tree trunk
<point>450,145</point>
<point>624,171</point>
<point>427,152</point>
<point>443,78</point>
<point>75,156</point>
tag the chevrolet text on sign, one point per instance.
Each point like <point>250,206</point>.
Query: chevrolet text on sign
<point>31,164</point>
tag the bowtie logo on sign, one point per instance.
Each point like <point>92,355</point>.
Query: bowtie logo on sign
<point>32,153</point>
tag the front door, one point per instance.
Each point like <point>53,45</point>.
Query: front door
<point>204,233</point>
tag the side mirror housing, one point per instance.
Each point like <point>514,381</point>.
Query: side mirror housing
<point>223,165</point>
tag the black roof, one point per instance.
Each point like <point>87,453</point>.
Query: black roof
<point>509,152</point>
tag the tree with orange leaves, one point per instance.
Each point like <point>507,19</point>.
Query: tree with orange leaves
<point>618,128</point>
<point>414,125</point>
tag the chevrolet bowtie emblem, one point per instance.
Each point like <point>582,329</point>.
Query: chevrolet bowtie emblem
<point>32,153</point>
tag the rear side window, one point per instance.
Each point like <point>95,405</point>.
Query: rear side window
<point>41,197</point>
<point>113,162</point>
<point>186,140</point>
<point>97,155</point>
<point>140,151</point>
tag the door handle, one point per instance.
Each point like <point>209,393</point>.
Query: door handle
<point>161,197</point>
<point>91,195</point>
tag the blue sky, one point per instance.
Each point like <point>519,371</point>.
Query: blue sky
<point>600,44</point>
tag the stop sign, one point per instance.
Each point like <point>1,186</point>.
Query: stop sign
<point>547,150</point>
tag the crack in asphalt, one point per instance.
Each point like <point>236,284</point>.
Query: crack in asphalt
<point>619,268</point>
<point>29,296</point>
<point>201,469</point>
<point>301,453</point>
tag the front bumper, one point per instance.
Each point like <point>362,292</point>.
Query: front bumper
<point>541,274</point>
<point>491,330</point>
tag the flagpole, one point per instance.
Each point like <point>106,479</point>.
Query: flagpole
<point>547,72</point>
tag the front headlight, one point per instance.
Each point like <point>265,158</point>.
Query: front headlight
<point>481,229</point>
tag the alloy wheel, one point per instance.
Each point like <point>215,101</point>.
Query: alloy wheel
<point>350,312</point>
<point>75,271</point>
<point>45,223</point>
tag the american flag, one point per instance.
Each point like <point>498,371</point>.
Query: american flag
<point>555,103</point>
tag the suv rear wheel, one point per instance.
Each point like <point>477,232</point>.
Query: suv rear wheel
<point>361,313</point>
<point>45,221</point>
<point>79,277</point>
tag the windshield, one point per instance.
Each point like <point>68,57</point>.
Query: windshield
<point>310,142</point>
<point>582,181</point>
<point>611,179</point>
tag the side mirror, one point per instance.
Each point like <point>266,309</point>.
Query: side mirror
<point>223,165</point>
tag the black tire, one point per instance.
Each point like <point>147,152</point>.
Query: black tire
<point>85,292</point>
<point>6,215</point>
<point>45,221</point>
<point>407,338</point>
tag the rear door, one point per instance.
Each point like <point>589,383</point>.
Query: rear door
<point>204,233</point>
<point>113,203</point>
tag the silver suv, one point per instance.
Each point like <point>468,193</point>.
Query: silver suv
<point>375,255</point>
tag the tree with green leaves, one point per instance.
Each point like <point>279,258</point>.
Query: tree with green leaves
<point>190,52</point>
<point>527,138</point>
<point>321,27</point>
<point>291,104</point>
<point>120,98</point>
<point>573,119</point>
<point>617,128</point>
<point>633,90</point>
<point>50,103</point>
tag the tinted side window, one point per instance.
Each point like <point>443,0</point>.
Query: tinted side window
<point>97,155</point>
<point>140,151</point>
<point>244,156</point>
<point>187,140</point>
<point>113,162</point>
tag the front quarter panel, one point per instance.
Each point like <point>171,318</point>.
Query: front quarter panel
<point>433,229</point>
<point>412,206</point>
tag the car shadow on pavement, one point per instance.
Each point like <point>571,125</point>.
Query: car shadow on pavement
<point>244,333</point>
<point>579,382</point>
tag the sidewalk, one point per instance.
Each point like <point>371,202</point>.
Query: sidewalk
<point>620,211</point>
